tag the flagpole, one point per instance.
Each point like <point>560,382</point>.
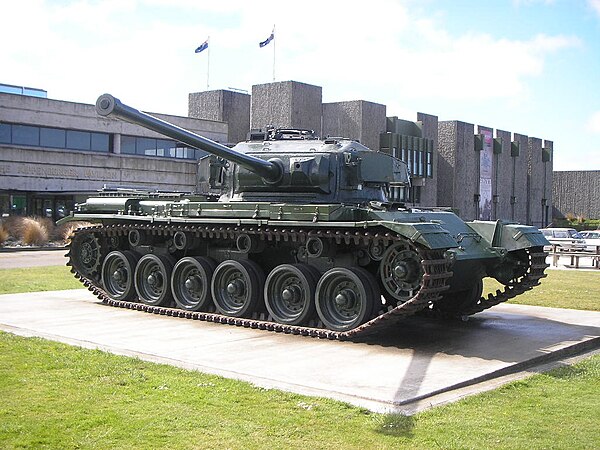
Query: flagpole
<point>274,43</point>
<point>208,64</point>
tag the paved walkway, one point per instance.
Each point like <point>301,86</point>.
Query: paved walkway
<point>423,363</point>
<point>13,259</point>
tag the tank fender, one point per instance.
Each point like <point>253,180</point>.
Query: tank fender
<point>510,236</point>
<point>431,235</point>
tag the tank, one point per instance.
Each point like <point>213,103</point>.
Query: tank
<point>293,234</point>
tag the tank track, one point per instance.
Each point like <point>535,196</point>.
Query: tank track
<point>435,268</point>
<point>534,273</point>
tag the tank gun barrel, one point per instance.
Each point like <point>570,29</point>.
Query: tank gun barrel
<point>107,105</point>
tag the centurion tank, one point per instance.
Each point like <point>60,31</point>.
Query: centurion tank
<point>294,234</point>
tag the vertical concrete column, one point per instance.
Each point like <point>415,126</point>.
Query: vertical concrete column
<point>457,168</point>
<point>535,182</point>
<point>430,131</point>
<point>519,194</point>
<point>286,104</point>
<point>547,201</point>
<point>446,163</point>
<point>116,143</point>
<point>223,106</point>
<point>358,119</point>
<point>503,175</point>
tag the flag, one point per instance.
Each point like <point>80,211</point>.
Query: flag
<point>267,40</point>
<point>202,47</point>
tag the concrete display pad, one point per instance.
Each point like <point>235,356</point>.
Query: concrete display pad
<point>423,363</point>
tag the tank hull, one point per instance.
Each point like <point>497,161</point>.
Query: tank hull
<point>280,266</point>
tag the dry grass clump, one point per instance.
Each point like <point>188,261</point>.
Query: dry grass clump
<point>63,232</point>
<point>34,231</point>
<point>3,234</point>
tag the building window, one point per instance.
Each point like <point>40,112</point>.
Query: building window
<point>53,138</point>
<point>25,135</point>
<point>5,133</point>
<point>159,147</point>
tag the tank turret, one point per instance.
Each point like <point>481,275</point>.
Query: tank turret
<point>289,165</point>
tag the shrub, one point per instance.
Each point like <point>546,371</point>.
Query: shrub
<point>34,231</point>
<point>63,232</point>
<point>3,234</point>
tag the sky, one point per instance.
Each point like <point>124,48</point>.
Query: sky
<point>526,66</point>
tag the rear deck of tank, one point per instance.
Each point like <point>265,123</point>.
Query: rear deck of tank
<point>422,363</point>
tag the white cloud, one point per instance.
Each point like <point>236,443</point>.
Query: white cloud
<point>593,123</point>
<point>143,50</point>
<point>595,5</point>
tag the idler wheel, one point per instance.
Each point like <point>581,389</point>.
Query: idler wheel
<point>401,272</point>
<point>117,275</point>
<point>290,293</point>
<point>237,288</point>
<point>190,282</point>
<point>85,253</point>
<point>346,298</point>
<point>152,280</point>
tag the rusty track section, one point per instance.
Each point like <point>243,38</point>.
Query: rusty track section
<point>535,272</point>
<point>435,267</point>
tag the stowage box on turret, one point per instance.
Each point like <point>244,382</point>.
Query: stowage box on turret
<point>294,234</point>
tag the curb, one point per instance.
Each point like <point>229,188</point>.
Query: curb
<point>29,249</point>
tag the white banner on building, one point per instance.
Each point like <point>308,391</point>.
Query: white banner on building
<point>485,176</point>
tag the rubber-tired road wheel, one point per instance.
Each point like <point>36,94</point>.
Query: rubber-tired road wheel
<point>190,283</point>
<point>117,275</point>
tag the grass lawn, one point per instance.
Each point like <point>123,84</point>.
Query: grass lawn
<point>56,396</point>
<point>35,279</point>
<point>560,289</point>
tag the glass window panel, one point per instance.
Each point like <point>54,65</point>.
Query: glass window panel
<point>128,145</point>
<point>165,147</point>
<point>25,135</point>
<point>52,137</point>
<point>5,133</point>
<point>146,146</point>
<point>100,142</point>
<point>78,140</point>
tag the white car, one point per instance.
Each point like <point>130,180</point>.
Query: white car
<point>564,239</point>
<point>592,240</point>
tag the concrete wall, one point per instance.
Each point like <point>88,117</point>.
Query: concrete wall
<point>577,193</point>
<point>519,188</point>
<point>38,169</point>
<point>55,171</point>
<point>359,119</point>
<point>535,183</point>
<point>286,104</point>
<point>503,177</point>
<point>458,168</point>
<point>223,106</point>
<point>429,130</point>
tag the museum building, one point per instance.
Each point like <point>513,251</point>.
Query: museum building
<point>55,153</point>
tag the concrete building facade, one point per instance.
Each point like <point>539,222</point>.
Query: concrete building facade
<point>489,178</point>
<point>360,120</point>
<point>226,106</point>
<point>576,193</point>
<point>53,153</point>
<point>286,104</point>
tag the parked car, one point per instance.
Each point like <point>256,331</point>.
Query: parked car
<point>565,239</point>
<point>592,239</point>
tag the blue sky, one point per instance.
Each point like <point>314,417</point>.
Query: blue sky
<point>526,66</point>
